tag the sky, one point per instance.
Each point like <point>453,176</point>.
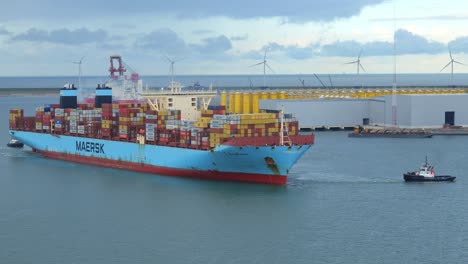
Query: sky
<point>208,37</point>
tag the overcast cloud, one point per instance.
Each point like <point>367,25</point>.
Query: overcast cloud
<point>294,10</point>
<point>62,36</point>
<point>223,37</point>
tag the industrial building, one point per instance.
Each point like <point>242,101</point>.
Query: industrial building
<point>413,111</point>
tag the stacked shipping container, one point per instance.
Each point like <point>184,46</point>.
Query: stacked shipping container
<point>124,121</point>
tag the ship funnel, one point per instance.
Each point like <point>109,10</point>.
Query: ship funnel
<point>68,96</point>
<point>103,95</point>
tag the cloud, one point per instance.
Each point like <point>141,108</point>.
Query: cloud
<point>62,36</point>
<point>214,45</point>
<point>459,44</point>
<point>409,43</point>
<point>341,48</point>
<point>239,38</point>
<point>425,18</point>
<point>406,43</point>
<point>291,51</point>
<point>202,32</point>
<point>294,10</point>
<point>4,31</point>
<point>162,40</point>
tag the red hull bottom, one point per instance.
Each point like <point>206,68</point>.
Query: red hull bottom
<point>211,175</point>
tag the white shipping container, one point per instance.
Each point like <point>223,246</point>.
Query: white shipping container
<point>151,117</point>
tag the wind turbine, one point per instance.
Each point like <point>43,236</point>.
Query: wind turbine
<point>79,70</point>
<point>358,63</point>
<point>265,64</point>
<point>171,68</point>
<point>451,62</point>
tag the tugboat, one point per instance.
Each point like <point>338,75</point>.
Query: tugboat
<point>14,143</point>
<point>426,174</point>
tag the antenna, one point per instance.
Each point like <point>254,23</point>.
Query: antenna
<point>451,62</point>
<point>358,63</point>
<point>79,70</point>
<point>265,64</point>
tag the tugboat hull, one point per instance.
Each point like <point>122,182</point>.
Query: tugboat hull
<point>412,177</point>
<point>15,144</point>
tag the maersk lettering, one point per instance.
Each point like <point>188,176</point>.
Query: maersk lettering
<point>90,147</point>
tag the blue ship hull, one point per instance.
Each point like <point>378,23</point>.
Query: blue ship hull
<point>262,164</point>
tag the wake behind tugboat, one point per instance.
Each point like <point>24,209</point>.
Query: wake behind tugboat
<point>426,174</point>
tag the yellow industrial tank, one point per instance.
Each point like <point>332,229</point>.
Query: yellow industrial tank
<point>231,103</point>
<point>255,103</point>
<point>282,95</point>
<point>238,103</point>
<point>264,96</point>
<point>223,98</point>
<point>273,95</point>
<point>246,105</point>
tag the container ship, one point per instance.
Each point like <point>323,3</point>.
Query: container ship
<point>168,132</point>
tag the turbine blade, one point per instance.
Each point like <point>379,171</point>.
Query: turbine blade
<point>446,66</point>
<point>360,52</point>
<point>352,62</point>
<point>264,57</point>
<point>168,59</point>
<point>450,52</point>
<point>256,64</point>
<point>269,67</point>
<point>360,65</point>
<point>460,63</point>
